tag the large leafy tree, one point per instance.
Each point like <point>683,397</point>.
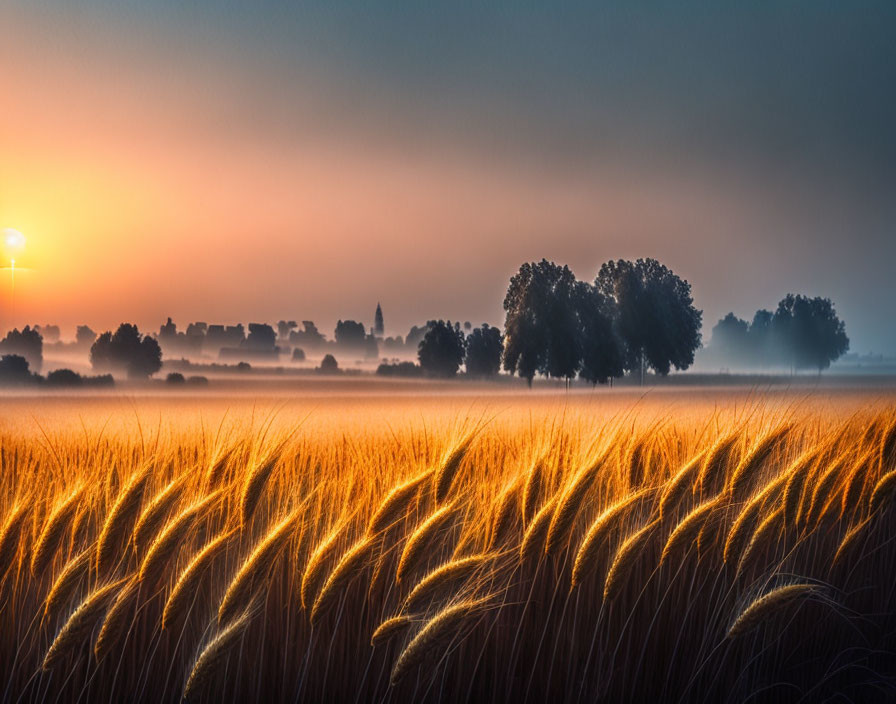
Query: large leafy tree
<point>484,347</point>
<point>541,326</point>
<point>601,348</point>
<point>810,331</point>
<point>140,356</point>
<point>26,343</point>
<point>656,318</point>
<point>441,351</point>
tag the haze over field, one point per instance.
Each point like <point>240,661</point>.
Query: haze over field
<point>257,163</point>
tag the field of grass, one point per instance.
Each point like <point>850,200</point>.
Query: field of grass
<point>678,546</point>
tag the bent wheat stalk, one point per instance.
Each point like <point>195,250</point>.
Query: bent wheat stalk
<point>167,542</point>
<point>625,559</point>
<point>396,502</point>
<point>122,514</point>
<point>9,536</point>
<point>765,606</point>
<point>184,590</point>
<point>69,578</point>
<point>256,566</point>
<point>79,625</point>
<point>442,581</point>
<point>214,654</point>
<point>346,571</point>
<point>422,539</point>
<point>54,529</point>
<point>439,630</point>
<point>390,628</point>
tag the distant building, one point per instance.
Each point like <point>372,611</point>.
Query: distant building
<point>378,327</point>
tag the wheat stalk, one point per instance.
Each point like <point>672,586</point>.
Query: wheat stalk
<point>9,536</point>
<point>346,570</point>
<point>184,590</point>
<point>687,531</point>
<point>64,586</point>
<point>389,628</point>
<point>679,485</point>
<point>118,620</point>
<point>121,515</point>
<point>765,606</point>
<point>533,489</point>
<point>173,534</point>
<point>79,625</point>
<point>568,506</point>
<point>442,580</point>
<point>396,502</point>
<point>537,531</point>
<point>214,654</point>
<point>256,480</point>
<point>421,540</point>
<point>440,629</point>
<point>54,529</point>
<point>154,515</point>
<point>598,532</point>
<point>625,559</point>
<point>447,471</point>
<point>256,566</point>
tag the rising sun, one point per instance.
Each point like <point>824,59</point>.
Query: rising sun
<point>13,240</point>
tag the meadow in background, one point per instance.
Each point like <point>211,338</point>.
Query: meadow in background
<point>679,546</point>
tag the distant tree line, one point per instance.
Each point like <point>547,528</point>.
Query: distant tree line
<point>15,371</point>
<point>634,317</point>
<point>802,333</point>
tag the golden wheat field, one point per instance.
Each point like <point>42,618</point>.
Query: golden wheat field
<point>676,546</point>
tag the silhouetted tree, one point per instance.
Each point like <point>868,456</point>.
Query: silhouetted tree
<point>26,343</point>
<point>656,318</point>
<point>328,364</point>
<point>175,379</point>
<point>64,377</point>
<point>540,327</point>
<point>441,351</point>
<point>760,340</point>
<point>284,327</point>
<point>601,348</point>
<point>484,349</point>
<point>49,333</point>
<point>414,336</point>
<point>262,337</point>
<point>350,334</point>
<point>309,338</point>
<point>810,331</point>
<point>298,355</point>
<point>140,356</point>
<point>402,369</point>
<point>730,340</point>
<point>84,336</point>
<point>14,370</point>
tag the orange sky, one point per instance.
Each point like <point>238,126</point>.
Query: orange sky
<point>186,178</point>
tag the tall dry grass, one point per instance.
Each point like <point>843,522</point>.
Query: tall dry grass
<point>632,554</point>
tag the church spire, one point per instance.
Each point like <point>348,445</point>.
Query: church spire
<point>378,327</point>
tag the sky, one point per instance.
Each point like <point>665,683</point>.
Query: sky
<point>226,162</point>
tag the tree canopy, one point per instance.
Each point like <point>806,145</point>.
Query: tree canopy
<point>26,343</point>
<point>802,333</point>
<point>441,351</point>
<point>655,315</point>
<point>138,355</point>
<point>484,347</point>
<point>635,315</point>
